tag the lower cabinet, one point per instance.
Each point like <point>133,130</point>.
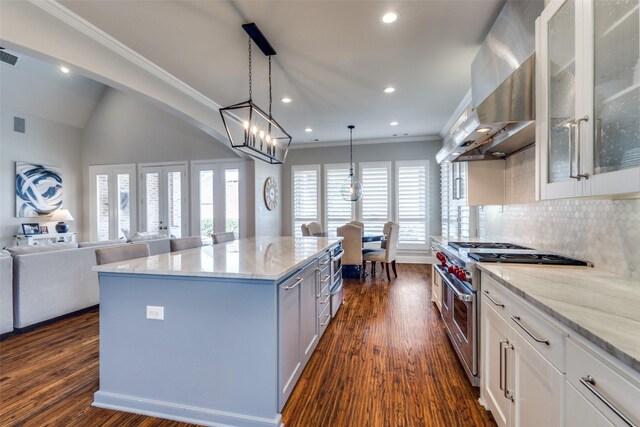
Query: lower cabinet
<point>436,288</point>
<point>289,343</point>
<point>581,413</point>
<point>309,313</point>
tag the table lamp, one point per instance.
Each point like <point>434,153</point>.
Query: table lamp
<point>61,215</point>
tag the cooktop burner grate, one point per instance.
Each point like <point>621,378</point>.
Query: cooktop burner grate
<point>484,245</point>
<point>541,258</point>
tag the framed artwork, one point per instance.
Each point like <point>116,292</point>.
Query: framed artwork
<point>30,229</point>
<point>44,229</point>
<point>38,189</point>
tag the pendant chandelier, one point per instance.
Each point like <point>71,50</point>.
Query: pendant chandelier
<point>351,187</point>
<point>248,127</point>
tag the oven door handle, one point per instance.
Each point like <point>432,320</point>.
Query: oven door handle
<point>337,257</point>
<point>462,296</point>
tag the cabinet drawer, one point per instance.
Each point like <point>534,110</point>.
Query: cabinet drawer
<point>324,318</point>
<point>325,260</point>
<point>324,299</point>
<point>605,386</point>
<point>497,296</point>
<point>324,278</point>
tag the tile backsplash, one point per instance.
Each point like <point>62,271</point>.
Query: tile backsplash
<point>605,232</point>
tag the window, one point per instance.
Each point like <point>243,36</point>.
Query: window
<point>337,210</point>
<point>374,205</point>
<point>411,193</point>
<point>305,182</point>
<point>113,195</point>
<point>164,200</point>
<point>232,200</point>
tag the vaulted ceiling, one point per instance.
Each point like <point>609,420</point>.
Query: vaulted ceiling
<point>334,58</point>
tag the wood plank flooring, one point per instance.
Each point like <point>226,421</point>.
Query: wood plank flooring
<point>385,360</point>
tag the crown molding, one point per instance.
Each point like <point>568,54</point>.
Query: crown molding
<point>85,27</point>
<point>394,140</point>
<point>466,100</point>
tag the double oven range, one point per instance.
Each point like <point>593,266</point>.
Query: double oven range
<point>460,278</point>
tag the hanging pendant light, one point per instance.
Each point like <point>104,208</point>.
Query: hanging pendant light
<point>351,187</point>
<point>248,127</point>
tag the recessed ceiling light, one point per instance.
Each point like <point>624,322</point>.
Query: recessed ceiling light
<point>286,100</point>
<point>64,69</point>
<point>483,130</point>
<point>389,89</point>
<point>308,130</point>
<point>389,17</point>
<point>394,123</point>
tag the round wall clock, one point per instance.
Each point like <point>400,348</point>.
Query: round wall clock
<point>270,193</point>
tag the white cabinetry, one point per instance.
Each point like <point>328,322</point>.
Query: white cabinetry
<point>436,287</point>
<point>581,413</point>
<point>588,98</point>
<point>478,183</point>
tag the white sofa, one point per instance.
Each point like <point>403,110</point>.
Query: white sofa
<point>6,293</point>
<point>50,281</point>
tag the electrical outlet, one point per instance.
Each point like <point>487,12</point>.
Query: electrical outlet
<point>155,313</point>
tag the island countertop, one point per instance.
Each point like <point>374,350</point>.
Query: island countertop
<point>262,258</point>
<point>601,306</point>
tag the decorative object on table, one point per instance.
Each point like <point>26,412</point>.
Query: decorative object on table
<point>38,189</point>
<point>270,193</point>
<point>248,127</point>
<point>351,187</point>
<point>44,229</point>
<point>62,215</point>
<point>29,229</point>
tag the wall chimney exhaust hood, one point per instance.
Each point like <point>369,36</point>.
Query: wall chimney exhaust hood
<point>502,119</point>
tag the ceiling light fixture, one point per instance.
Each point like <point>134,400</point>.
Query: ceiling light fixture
<point>394,123</point>
<point>286,100</point>
<point>389,89</point>
<point>351,187</point>
<point>483,130</point>
<point>308,130</point>
<point>390,17</point>
<point>64,69</point>
<point>248,127</point>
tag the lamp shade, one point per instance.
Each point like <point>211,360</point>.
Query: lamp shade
<point>351,189</point>
<point>61,215</point>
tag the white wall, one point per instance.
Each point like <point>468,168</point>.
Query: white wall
<point>44,142</point>
<point>267,223</point>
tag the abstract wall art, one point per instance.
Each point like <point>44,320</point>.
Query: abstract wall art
<point>38,189</point>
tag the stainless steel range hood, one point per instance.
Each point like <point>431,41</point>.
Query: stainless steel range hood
<point>502,119</point>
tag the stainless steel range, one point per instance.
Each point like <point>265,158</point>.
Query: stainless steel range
<point>461,287</point>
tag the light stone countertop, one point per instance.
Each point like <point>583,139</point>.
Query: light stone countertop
<point>599,305</point>
<point>262,258</point>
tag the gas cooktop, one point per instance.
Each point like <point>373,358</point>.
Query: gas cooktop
<point>524,258</point>
<point>484,245</point>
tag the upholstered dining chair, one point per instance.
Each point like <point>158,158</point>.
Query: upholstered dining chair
<point>314,228</point>
<point>223,237</point>
<point>359,224</point>
<point>352,245</point>
<point>385,232</point>
<point>305,230</point>
<point>121,253</point>
<point>386,256</point>
<point>185,243</point>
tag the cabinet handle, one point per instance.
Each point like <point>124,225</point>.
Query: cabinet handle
<point>589,382</point>
<point>325,278</point>
<point>507,393</point>
<point>536,339</point>
<point>288,288</point>
<point>325,323</point>
<point>584,119</point>
<point>325,262</point>
<point>499,304</point>
<point>325,300</point>
<point>576,124</point>
<point>500,368</point>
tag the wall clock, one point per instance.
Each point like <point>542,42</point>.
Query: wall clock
<point>270,193</point>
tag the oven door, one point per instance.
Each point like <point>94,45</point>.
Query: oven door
<point>336,266</point>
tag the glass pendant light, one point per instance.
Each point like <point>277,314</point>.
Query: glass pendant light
<point>351,187</point>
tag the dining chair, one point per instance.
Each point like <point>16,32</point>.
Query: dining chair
<point>359,224</point>
<point>386,256</point>
<point>223,237</point>
<point>352,245</point>
<point>185,243</point>
<point>314,228</point>
<point>122,253</point>
<point>305,230</point>
<point>385,232</point>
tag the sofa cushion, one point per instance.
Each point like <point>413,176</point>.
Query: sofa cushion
<point>142,236</point>
<point>101,243</point>
<point>36,249</point>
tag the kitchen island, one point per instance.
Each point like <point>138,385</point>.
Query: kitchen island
<point>213,335</point>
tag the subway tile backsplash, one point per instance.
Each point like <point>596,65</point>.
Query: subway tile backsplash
<point>605,232</point>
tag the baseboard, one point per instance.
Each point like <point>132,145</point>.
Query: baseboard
<point>30,328</point>
<point>180,412</point>
<point>7,335</point>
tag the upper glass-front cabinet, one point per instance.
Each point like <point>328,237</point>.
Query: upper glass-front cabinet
<point>589,98</point>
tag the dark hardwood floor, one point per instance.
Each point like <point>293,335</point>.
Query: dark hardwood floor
<point>385,360</point>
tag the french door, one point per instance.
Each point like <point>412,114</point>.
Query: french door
<point>113,207</point>
<point>163,201</point>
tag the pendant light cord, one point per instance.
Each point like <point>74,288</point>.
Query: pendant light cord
<point>351,150</point>
<point>270,97</point>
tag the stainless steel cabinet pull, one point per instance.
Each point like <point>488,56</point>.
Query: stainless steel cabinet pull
<point>536,339</point>
<point>288,288</point>
<point>325,300</point>
<point>589,382</point>
<point>507,393</point>
<point>500,368</point>
<point>325,278</point>
<point>325,262</point>
<point>499,304</point>
<point>325,323</point>
<point>580,175</point>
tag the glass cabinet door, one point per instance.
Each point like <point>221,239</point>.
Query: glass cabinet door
<point>561,93</point>
<point>616,86</point>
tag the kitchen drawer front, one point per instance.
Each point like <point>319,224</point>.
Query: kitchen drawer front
<point>325,260</point>
<point>497,296</point>
<point>324,298</point>
<point>324,318</point>
<point>604,385</point>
